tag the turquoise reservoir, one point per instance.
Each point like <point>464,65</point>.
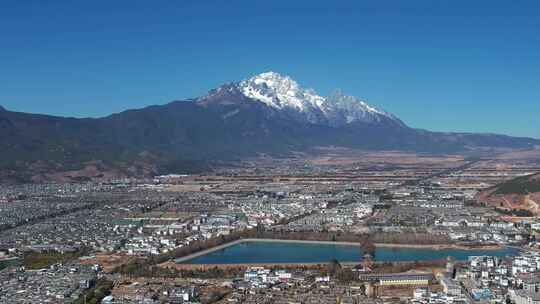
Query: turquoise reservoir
<point>255,252</point>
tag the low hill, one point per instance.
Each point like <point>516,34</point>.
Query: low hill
<point>518,196</point>
<point>521,185</point>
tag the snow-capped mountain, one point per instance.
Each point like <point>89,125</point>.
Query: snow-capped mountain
<point>284,94</point>
<point>268,113</point>
<point>344,109</point>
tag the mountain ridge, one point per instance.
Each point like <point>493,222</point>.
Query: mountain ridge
<point>225,124</point>
<point>284,93</point>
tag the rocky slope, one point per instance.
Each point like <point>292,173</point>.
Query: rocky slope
<point>522,193</point>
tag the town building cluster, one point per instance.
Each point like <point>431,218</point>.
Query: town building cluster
<point>59,242</point>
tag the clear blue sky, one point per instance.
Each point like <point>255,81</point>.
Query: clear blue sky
<point>441,65</point>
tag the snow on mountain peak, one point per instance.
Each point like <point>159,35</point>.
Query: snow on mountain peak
<point>283,93</point>
<point>280,92</point>
<point>351,100</point>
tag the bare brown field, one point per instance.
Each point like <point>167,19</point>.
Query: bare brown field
<point>108,261</point>
<point>317,168</point>
<point>521,155</point>
<point>338,157</point>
